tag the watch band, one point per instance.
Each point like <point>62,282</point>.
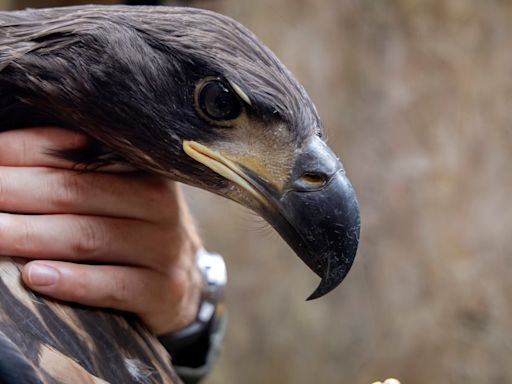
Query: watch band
<point>211,307</point>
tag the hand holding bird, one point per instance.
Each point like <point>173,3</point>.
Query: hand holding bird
<point>102,239</point>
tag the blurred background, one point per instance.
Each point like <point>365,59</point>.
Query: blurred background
<point>416,98</point>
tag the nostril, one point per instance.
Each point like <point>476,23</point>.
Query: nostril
<point>311,181</point>
<point>314,179</point>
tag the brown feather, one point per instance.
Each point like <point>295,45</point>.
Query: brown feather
<point>72,343</point>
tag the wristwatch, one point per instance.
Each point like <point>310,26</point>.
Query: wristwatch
<point>191,345</point>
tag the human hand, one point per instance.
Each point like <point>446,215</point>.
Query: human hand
<point>116,240</point>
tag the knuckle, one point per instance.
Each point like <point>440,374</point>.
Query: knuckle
<point>22,233</point>
<point>65,189</point>
<point>88,239</point>
<point>24,151</point>
<point>26,232</point>
<point>178,285</point>
<point>17,231</point>
<point>184,299</point>
<point>119,295</point>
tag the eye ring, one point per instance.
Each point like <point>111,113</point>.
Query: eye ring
<point>217,102</point>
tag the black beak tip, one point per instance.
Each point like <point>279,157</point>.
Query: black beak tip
<point>337,263</point>
<point>328,283</point>
<point>318,292</point>
<point>335,276</point>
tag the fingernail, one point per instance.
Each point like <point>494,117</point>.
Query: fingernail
<point>42,275</point>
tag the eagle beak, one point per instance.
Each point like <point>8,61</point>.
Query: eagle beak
<point>315,212</point>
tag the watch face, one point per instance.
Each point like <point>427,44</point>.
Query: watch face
<point>213,269</point>
<point>212,266</point>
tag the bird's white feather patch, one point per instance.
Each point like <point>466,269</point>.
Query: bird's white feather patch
<point>140,372</point>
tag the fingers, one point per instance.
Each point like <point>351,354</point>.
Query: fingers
<point>30,183</point>
<point>32,146</point>
<point>46,190</point>
<point>89,238</point>
<point>137,220</point>
<point>157,298</point>
<point>120,287</point>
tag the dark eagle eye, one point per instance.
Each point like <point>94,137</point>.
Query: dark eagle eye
<point>218,102</point>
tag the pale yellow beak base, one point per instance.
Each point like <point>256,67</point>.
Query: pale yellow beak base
<point>220,165</point>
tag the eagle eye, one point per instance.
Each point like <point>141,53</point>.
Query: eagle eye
<point>217,101</point>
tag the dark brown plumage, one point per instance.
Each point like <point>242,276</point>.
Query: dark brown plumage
<point>187,94</point>
<point>44,341</point>
<point>99,62</point>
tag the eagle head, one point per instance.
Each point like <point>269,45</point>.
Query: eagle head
<point>191,95</point>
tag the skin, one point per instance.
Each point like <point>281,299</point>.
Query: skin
<point>122,239</point>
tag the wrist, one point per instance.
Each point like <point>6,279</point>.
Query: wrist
<point>210,309</point>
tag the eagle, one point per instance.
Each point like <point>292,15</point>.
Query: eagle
<point>184,93</point>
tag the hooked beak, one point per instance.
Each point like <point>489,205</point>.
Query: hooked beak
<point>315,212</point>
